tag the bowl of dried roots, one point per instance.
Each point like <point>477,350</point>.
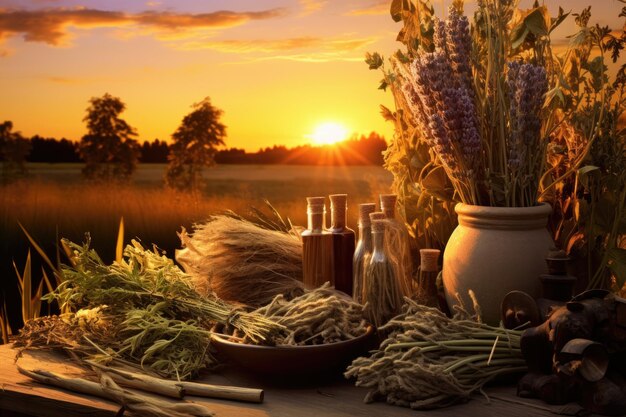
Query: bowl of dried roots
<point>323,330</point>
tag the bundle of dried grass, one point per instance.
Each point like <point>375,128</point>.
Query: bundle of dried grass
<point>320,316</point>
<point>432,361</point>
<point>242,261</point>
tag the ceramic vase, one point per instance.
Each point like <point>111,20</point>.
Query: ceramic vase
<point>495,250</point>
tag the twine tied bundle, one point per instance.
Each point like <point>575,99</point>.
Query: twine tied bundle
<point>241,261</point>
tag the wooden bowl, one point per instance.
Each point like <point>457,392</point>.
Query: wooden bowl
<point>331,358</point>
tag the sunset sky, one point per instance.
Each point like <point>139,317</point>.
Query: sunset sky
<point>279,69</point>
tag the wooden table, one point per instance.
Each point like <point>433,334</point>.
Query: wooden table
<point>19,394</point>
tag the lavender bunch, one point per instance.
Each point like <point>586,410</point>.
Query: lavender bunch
<point>440,96</point>
<point>527,85</point>
<point>459,46</point>
<point>480,114</point>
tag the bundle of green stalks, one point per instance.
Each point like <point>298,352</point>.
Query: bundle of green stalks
<point>242,261</point>
<point>319,316</point>
<point>432,361</point>
<point>142,310</point>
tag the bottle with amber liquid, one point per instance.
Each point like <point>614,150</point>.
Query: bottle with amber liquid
<point>427,293</point>
<point>317,246</point>
<point>343,243</point>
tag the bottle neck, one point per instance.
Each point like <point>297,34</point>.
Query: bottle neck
<point>365,232</point>
<point>378,241</point>
<point>338,218</point>
<point>315,222</point>
<point>390,212</point>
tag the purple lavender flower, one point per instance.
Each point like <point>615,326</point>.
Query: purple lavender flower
<point>460,120</point>
<point>527,85</point>
<point>459,46</point>
<point>440,142</point>
<point>432,74</point>
<point>449,111</point>
<point>439,35</point>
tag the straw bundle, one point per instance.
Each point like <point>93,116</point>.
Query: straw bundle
<point>241,261</point>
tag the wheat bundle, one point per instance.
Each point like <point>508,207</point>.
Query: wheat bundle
<point>241,261</point>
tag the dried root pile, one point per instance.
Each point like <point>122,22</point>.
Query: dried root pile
<point>319,316</point>
<point>431,361</point>
<point>241,261</point>
<point>142,310</point>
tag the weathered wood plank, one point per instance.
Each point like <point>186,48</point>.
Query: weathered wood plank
<point>336,398</point>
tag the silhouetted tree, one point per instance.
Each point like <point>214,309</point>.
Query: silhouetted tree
<point>13,152</point>
<point>53,150</point>
<point>358,150</point>
<point>194,146</point>
<point>109,150</point>
<point>232,156</point>
<point>154,152</point>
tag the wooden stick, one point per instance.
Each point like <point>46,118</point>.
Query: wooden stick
<point>141,381</point>
<point>176,389</point>
<point>251,395</point>
<point>108,389</point>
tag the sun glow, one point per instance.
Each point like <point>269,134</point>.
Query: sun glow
<point>328,134</point>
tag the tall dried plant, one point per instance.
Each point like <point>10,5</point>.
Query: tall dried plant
<point>582,129</point>
<point>479,106</point>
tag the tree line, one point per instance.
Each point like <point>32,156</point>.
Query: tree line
<point>111,152</point>
<point>358,150</point>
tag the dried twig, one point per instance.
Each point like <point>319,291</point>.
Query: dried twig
<point>108,389</point>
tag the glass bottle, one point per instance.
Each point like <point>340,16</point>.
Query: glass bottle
<point>343,243</point>
<point>317,246</point>
<point>397,242</point>
<point>382,295</point>
<point>427,281</point>
<point>363,250</point>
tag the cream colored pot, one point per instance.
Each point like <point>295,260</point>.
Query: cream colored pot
<point>495,250</point>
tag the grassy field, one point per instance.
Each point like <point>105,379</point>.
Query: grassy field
<point>55,202</point>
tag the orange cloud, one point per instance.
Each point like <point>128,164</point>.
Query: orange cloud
<point>322,45</point>
<point>378,8</point>
<point>310,6</point>
<point>314,57</point>
<point>51,25</point>
<point>219,19</point>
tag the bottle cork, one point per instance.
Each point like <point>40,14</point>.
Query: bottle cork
<point>315,205</point>
<point>429,260</point>
<point>388,204</point>
<point>377,215</point>
<point>378,226</point>
<point>364,213</point>
<point>339,201</point>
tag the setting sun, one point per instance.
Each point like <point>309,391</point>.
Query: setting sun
<point>328,134</point>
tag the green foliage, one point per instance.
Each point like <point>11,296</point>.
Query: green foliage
<point>13,152</point>
<point>194,147</point>
<point>427,207</point>
<point>153,315</point>
<point>109,149</point>
<point>588,155</point>
<point>584,178</point>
